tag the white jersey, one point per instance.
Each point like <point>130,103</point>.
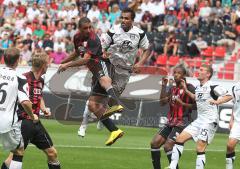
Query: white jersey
<point>236,100</point>
<point>124,45</point>
<point>207,112</point>
<point>12,91</point>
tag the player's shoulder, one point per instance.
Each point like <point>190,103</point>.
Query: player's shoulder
<point>138,30</point>
<point>115,29</point>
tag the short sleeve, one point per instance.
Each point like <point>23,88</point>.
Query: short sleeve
<point>220,91</point>
<point>22,89</point>
<point>144,43</point>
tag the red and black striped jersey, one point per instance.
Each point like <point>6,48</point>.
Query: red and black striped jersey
<point>92,46</point>
<point>179,115</point>
<point>35,87</point>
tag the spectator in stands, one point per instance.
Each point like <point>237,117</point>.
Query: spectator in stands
<point>102,5</point>
<point>25,30</point>
<point>114,14</point>
<point>38,32</point>
<point>72,12</point>
<point>9,11</point>
<point>47,42</point>
<point>123,4</point>
<point>195,47</point>
<point>6,42</point>
<point>33,12</point>
<point>146,22</point>
<point>70,32</point>
<point>146,5</point>
<point>171,44</point>
<point>59,44</point>
<point>218,10</point>
<point>69,45</point>
<point>28,41</point>
<point>25,55</point>
<point>192,28</point>
<point>60,32</point>
<point>230,35</point>
<point>62,14</point>
<point>170,21</point>
<point>58,56</point>
<point>93,12</point>
<point>104,25</point>
<point>205,11</point>
<point>158,12</point>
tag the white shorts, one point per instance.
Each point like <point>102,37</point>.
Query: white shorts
<point>235,131</point>
<point>12,139</point>
<point>202,131</point>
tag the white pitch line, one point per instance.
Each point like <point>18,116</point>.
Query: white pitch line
<point>129,148</point>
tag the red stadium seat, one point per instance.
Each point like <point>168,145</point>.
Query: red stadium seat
<point>161,60</point>
<point>208,52</point>
<point>219,52</point>
<point>2,60</point>
<point>229,66</point>
<point>173,60</point>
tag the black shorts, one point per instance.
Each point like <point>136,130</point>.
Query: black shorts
<point>36,134</point>
<point>170,132</point>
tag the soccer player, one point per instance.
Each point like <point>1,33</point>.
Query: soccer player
<point>35,133</point>
<point>179,115</point>
<point>13,91</point>
<point>234,126</point>
<point>88,46</point>
<point>202,130</point>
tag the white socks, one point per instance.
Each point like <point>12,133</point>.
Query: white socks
<point>230,160</point>
<point>201,160</point>
<point>176,154</point>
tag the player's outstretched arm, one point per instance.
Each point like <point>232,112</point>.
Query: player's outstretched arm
<point>76,63</point>
<point>143,59</point>
<point>71,57</point>
<point>221,100</point>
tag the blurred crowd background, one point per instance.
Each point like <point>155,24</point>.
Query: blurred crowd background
<point>179,30</point>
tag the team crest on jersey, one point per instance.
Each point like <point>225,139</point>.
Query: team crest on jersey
<point>132,36</point>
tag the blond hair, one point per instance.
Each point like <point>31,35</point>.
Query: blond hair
<point>38,60</point>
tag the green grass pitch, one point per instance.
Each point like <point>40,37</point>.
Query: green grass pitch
<point>130,152</point>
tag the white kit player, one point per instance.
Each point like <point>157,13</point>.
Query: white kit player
<point>12,92</point>
<point>202,130</point>
<point>234,126</point>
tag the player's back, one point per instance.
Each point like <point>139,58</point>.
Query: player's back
<point>8,98</point>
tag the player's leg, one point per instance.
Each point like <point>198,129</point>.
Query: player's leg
<point>188,133</point>
<point>230,155</point>
<point>43,141</point>
<point>13,141</point>
<point>83,127</point>
<point>205,137</point>
<point>97,105</point>
<point>6,163</point>
<point>168,146</point>
<point>53,162</point>
<point>234,138</point>
<point>16,162</point>
<point>156,143</point>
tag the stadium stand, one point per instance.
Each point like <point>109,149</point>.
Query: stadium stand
<point>178,32</point>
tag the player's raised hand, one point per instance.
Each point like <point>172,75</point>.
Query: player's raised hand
<point>164,81</point>
<point>183,84</point>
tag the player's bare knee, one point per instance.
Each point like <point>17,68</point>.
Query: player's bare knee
<point>154,144</point>
<point>168,146</point>
<point>105,82</point>
<point>19,151</point>
<point>201,146</point>
<point>230,147</point>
